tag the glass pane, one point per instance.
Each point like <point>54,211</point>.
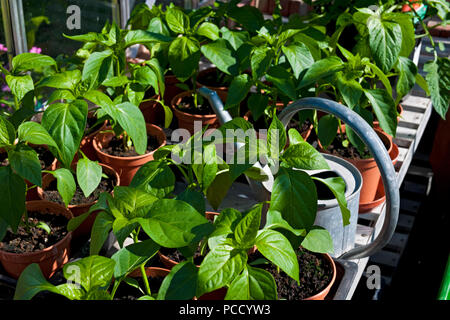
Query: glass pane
<point>47,20</point>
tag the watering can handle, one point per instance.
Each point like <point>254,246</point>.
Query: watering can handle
<point>367,135</point>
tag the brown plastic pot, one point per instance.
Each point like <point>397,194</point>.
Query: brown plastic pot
<point>152,272</point>
<point>84,230</point>
<point>368,168</point>
<point>186,120</point>
<point>152,111</point>
<point>49,259</point>
<point>126,167</point>
<point>380,195</point>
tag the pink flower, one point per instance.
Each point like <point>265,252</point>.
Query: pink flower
<point>3,48</point>
<point>35,50</point>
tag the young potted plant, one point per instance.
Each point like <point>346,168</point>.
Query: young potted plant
<point>32,231</point>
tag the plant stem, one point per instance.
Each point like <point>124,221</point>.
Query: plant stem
<point>144,277</point>
<point>425,28</point>
<point>116,285</point>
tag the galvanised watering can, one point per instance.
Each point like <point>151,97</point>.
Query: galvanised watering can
<point>328,215</point>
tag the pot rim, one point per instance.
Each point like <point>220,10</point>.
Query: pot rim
<point>96,143</point>
<point>67,237</point>
<point>181,95</point>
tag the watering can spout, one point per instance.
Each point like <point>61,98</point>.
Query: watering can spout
<point>365,133</point>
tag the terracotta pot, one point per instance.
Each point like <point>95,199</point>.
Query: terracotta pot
<point>169,263</point>
<point>171,89</point>
<point>49,259</point>
<point>376,123</point>
<point>322,294</point>
<point>152,272</point>
<point>368,168</point>
<point>380,195</point>
<point>84,230</point>
<point>126,167</point>
<point>152,111</point>
<point>186,120</point>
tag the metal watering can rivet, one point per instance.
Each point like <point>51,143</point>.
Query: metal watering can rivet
<point>365,133</point>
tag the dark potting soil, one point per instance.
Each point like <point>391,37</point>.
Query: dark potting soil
<point>46,158</point>
<point>177,256</point>
<point>127,292</point>
<point>36,238</point>
<point>215,79</point>
<point>337,149</point>
<point>106,185</point>
<point>187,105</point>
<point>302,128</point>
<point>117,148</point>
<point>315,274</point>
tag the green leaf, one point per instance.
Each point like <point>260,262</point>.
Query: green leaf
<point>318,240</point>
<point>257,103</point>
<point>350,89</point>
<point>253,284</point>
<point>224,225</point>
<point>35,133</point>
<point>65,122</point>
<point>422,83</point>
<point>247,228</point>
<point>65,184</point>
<point>438,80</point>
<point>180,283</point>
<point>208,30</point>
<point>327,130</point>
<point>118,81</point>
<point>294,136</point>
<point>64,80</point>
<point>156,178</point>
<point>210,167</point>
<point>100,231</point>
<point>132,121</point>
<point>283,80</point>
<point>132,256</point>
<point>406,78</point>
<point>220,54</point>
<point>274,220</point>
<point>194,198</point>
<point>275,247</point>
<point>385,41</point>
<point>93,271</point>
<point>143,37</point>
<point>295,196</point>
<point>12,199</point>
<point>32,281</point>
<point>157,25</point>
<point>174,224</point>
<point>29,61</point>
<point>260,61</point>
<point>177,20</point>
<point>249,17</point>
<point>89,175</point>
<point>184,56</point>
<point>304,156</point>
<point>219,188</point>
<point>20,85</point>
<point>337,186</point>
<point>321,69</point>
<point>238,90</point>
<point>25,161</point>
<point>385,110</point>
<point>220,266</point>
<point>276,137</point>
<point>235,38</point>
<point>7,133</point>
<point>381,76</point>
<point>299,57</point>
<point>75,222</point>
<point>96,67</point>
<point>408,37</point>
